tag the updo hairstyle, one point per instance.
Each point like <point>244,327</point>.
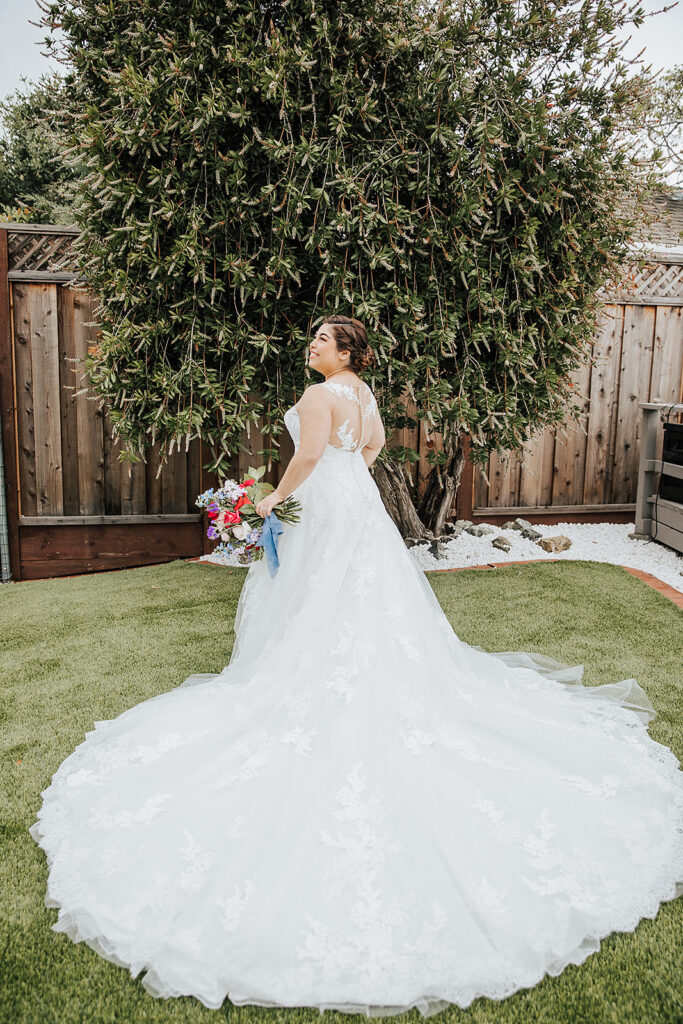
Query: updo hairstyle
<point>350,334</point>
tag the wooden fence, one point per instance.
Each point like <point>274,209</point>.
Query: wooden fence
<point>72,507</point>
<point>589,470</point>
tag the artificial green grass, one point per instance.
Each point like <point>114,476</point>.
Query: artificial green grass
<point>79,649</point>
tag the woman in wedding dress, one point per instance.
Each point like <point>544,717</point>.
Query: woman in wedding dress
<point>360,811</point>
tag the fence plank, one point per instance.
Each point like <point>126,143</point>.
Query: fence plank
<point>10,556</point>
<point>667,358</point>
<point>536,479</point>
<point>90,413</point>
<point>174,483</point>
<point>286,449</point>
<point>602,412</point>
<point>635,368</point>
<point>112,467</point>
<point>153,485</point>
<point>133,489</point>
<point>239,464</point>
<point>666,382</point>
<point>69,382</point>
<point>259,441</point>
<point>570,446</point>
<point>42,306</point>
<point>504,473</point>
<point>207,480</point>
<point>194,474</point>
<point>26,442</point>
<point>124,482</point>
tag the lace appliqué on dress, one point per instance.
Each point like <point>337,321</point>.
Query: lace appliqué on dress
<point>348,441</point>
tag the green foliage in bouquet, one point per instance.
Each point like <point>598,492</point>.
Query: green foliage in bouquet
<point>287,511</point>
<point>257,490</point>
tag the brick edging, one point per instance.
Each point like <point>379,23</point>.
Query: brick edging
<point>674,595</point>
<point>653,581</point>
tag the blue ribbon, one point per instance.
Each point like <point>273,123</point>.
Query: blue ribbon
<point>270,531</point>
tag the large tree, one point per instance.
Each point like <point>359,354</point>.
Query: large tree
<point>658,128</point>
<point>38,177</point>
<point>450,173</point>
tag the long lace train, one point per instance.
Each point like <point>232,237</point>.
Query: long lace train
<point>361,812</point>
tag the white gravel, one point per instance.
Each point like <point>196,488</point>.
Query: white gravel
<point>594,542</point>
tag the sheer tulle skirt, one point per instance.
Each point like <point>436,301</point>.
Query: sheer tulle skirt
<point>362,812</point>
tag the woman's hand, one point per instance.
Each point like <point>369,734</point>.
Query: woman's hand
<point>266,504</point>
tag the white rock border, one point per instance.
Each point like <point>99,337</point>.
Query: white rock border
<point>591,542</point>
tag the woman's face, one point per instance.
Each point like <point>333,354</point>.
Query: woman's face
<point>324,355</point>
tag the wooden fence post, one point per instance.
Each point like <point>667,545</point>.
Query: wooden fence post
<point>646,471</point>
<point>8,410</point>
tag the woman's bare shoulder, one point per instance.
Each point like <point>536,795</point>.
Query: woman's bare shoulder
<point>314,394</point>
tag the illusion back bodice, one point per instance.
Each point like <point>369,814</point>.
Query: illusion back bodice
<point>353,416</point>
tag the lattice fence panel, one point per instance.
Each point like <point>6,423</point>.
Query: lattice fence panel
<point>654,282</point>
<point>47,251</point>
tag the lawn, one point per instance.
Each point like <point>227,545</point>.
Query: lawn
<point>85,648</point>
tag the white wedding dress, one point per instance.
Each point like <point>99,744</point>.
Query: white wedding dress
<point>361,811</point>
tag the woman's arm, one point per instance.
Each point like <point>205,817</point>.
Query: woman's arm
<point>376,442</point>
<point>370,454</point>
<point>315,418</point>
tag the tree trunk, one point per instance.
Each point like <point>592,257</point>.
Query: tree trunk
<point>438,499</point>
<point>397,500</point>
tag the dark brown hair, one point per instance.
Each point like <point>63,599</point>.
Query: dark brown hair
<point>350,334</point>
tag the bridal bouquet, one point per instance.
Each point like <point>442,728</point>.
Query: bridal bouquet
<point>234,519</point>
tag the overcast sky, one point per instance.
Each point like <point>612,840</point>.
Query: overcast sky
<point>21,43</point>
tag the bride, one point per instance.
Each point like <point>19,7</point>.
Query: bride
<point>360,811</point>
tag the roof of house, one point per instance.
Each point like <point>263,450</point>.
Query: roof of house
<point>666,233</point>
